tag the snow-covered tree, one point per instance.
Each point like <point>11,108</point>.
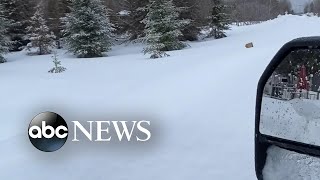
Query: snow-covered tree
<point>57,64</point>
<point>218,20</point>
<point>4,40</point>
<point>129,19</point>
<point>163,28</point>
<point>56,11</point>
<point>190,9</point>
<point>19,13</point>
<point>39,34</point>
<point>88,29</point>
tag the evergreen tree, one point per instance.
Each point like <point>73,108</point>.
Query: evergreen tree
<point>190,10</point>
<point>57,64</point>
<point>129,19</point>
<point>219,20</point>
<point>18,12</point>
<point>163,28</point>
<point>56,11</point>
<point>39,34</point>
<point>88,29</point>
<point>285,7</point>
<point>4,40</point>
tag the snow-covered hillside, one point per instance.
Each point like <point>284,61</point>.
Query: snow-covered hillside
<point>200,101</point>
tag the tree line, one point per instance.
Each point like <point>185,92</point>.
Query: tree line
<point>312,7</point>
<point>89,28</point>
<point>258,10</point>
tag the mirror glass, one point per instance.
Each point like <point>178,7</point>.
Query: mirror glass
<point>290,106</point>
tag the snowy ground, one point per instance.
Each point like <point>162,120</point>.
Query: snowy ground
<point>201,101</point>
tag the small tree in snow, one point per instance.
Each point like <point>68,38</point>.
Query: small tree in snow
<point>4,40</point>
<point>57,64</point>
<point>163,28</point>
<point>218,20</point>
<point>39,34</point>
<point>88,29</point>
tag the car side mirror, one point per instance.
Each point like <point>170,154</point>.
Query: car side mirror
<point>288,102</point>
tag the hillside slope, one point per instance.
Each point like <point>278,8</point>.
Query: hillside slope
<point>201,102</point>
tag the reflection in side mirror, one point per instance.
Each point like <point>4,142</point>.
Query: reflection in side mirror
<point>290,107</point>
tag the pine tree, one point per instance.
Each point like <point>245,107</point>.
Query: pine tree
<point>39,34</point>
<point>88,29</point>
<point>57,64</point>
<point>4,40</point>
<point>219,20</point>
<point>163,28</point>
<point>18,12</point>
<point>129,19</point>
<point>190,10</point>
<point>56,12</point>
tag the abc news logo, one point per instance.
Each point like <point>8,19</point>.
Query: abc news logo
<point>48,131</point>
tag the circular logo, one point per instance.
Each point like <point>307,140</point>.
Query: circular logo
<point>48,131</point>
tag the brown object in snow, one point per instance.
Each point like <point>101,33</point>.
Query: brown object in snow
<point>249,45</point>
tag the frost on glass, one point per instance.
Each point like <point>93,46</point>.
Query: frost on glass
<point>291,104</point>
